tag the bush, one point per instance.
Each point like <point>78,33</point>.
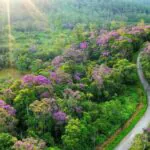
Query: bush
<point>6,141</point>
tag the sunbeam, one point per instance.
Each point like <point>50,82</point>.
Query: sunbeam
<point>8,20</point>
<point>9,28</point>
<point>34,11</point>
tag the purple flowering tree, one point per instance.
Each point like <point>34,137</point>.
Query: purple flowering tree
<point>69,93</point>
<point>76,55</point>
<point>105,53</point>
<point>53,76</point>
<point>77,76</point>
<point>35,80</point>
<point>41,80</point>
<point>28,79</point>
<point>83,45</point>
<point>8,108</point>
<point>7,118</point>
<point>103,39</point>
<point>57,61</point>
<point>60,117</point>
<point>136,30</point>
<point>59,76</point>
<point>99,72</point>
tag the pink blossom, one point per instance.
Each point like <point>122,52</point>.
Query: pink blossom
<point>136,30</point>
<point>28,79</point>
<point>103,40</point>
<point>76,55</point>
<point>114,34</point>
<point>83,45</point>
<point>57,61</point>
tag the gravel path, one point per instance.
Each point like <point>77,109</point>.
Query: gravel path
<point>145,120</point>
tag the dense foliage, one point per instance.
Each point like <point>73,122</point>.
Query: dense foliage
<point>38,15</point>
<point>79,98</point>
<point>146,61</point>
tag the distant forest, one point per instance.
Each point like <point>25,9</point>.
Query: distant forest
<point>32,15</point>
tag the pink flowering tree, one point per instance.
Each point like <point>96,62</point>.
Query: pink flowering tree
<point>136,30</point>
<point>103,39</point>
<point>29,144</point>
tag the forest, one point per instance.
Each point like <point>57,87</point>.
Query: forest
<point>69,76</point>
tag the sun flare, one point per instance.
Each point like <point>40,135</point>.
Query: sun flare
<point>9,22</point>
<point>34,11</point>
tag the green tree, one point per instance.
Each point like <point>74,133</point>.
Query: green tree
<point>6,141</point>
<point>76,135</point>
<point>138,143</point>
<point>22,101</point>
<point>127,71</point>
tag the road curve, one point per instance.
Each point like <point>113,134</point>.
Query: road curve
<point>126,143</point>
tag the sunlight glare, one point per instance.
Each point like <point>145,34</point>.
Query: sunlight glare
<point>34,11</point>
<point>9,23</point>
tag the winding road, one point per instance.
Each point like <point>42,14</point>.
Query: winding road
<point>145,120</point>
